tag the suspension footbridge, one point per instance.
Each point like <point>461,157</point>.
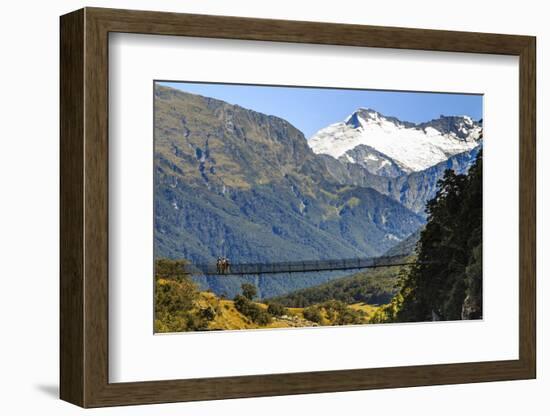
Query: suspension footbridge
<point>297,266</point>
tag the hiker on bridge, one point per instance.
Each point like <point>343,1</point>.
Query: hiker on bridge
<point>223,265</point>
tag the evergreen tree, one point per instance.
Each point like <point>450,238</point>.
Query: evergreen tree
<point>446,281</point>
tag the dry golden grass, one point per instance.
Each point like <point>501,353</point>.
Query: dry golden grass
<point>229,318</point>
<point>365,307</point>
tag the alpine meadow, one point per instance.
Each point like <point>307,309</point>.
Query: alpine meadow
<point>289,207</point>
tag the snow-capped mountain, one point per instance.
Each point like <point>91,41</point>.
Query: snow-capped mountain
<point>374,161</point>
<point>389,145</point>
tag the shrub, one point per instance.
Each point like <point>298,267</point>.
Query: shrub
<point>251,310</point>
<point>171,269</point>
<point>208,313</point>
<point>313,314</point>
<point>350,316</point>
<point>276,309</point>
<point>176,296</point>
<point>338,313</point>
<point>249,291</point>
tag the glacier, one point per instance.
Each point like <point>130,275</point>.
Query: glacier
<point>414,147</point>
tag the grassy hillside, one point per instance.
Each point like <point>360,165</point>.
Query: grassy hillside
<point>180,307</point>
<point>227,317</point>
<point>373,286</point>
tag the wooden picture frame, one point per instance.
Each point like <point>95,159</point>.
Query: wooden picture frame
<point>84,207</point>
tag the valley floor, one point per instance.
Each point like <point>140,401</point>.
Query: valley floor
<point>229,318</point>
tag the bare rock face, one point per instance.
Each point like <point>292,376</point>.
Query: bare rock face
<point>471,309</point>
<point>373,161</point>
<point>412,190</point>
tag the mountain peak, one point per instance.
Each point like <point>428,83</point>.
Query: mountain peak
<point>362,116</point>
<point>461,127</point>
<point>457,119</point>
<point>411,146</point>
<point>366,111</point>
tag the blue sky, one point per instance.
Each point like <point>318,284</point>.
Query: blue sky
<point>311,109</point>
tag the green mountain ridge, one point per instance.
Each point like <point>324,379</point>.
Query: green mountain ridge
<point>373,286</point>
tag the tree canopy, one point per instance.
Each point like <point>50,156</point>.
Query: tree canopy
<point>446,282</point>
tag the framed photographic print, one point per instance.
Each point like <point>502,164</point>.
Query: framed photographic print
<point>256,207</point>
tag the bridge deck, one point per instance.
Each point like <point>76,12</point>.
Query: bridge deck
<point>299,266</point>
